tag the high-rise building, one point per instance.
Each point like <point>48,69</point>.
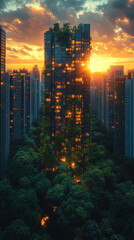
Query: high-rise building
<point>33,99</point>
<point>4,105</point>
<point>129,115</point>
<point>24,102</point>
<point>17,105</point>
<point>67,77</point>
<point>36,92</point>
<point>36,79</point>
<point>119,115</point>
<point>101,98</point>
<point>118,107</point>
<point>42,86</point>
<point>27,98</point>
<point>7,119</point>
<point>114,73</point>
<point>111,105</point>
<point>93,97</point>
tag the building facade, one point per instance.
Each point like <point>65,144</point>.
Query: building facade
<point>36,78</point>
<point>93,97</point>
<point>114,73</point>
<point>67,77</point>
<point>4,107</point>
<point>7,119</point>
<point>17,106</point>
<point>27,98</point>
<point>119,115</point>
<point>129,116</point>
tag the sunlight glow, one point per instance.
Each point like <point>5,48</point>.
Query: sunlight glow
<point>102,63</point>
<point>99,64</point>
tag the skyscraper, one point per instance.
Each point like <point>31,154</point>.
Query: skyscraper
<point>7,119</point>
<point>4,92</point>
<point>119,115</point>
<point>27,98</point>
<point>101,98</point>
<point>33,99</point>
<point>114,73</point>
<point>42,86</point>
<point>67,76</point>
<point>93,97</point>
<point>129,116</point>
<point>36,78</point>
<point>111,105</point>
<point>17,105</point>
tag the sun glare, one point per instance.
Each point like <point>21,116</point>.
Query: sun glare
<point>99,64</point>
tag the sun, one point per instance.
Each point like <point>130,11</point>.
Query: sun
<point>99,64</point>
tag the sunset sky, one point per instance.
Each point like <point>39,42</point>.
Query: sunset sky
<point>112,29</point>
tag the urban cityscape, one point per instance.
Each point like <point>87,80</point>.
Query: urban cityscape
<point>66,120</point>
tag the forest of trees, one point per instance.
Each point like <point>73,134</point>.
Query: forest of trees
<point>65,191</point>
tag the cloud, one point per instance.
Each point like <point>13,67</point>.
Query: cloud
<point>12,49</point>
<point>23,52</point>
<point>60,8</point>
<point>40,49</point>
<point>120,9</point>
<point>3,4</point>
<point>18,50</point>
<point>99,25</point>
<point>13,56</point>
<point>27,48</point>
<point>27,24</point>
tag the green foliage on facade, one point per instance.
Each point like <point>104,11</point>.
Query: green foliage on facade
<point>64,34</point>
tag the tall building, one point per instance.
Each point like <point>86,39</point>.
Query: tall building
<point>27,98</point>
<point>93,97</point>
<point>17,106</point>
<point>36,79</point>
<point>24,102</point>
<point>119,115</point>
<point>111,105</point>
<point>7,119</point>
<point>114,73</point>
<point>33,99</point>
<point>129,116</point>
<point>42,86</point>
<point>101,98</point>
<point>67,77</point>
<point>4,95</point>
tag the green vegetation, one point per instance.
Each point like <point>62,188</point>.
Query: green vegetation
<point>47,199</point>
<point>64,34</point>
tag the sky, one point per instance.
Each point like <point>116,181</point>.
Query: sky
<point>112,29</point>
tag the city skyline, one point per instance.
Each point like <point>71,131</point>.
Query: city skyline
<point>111,30</point>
